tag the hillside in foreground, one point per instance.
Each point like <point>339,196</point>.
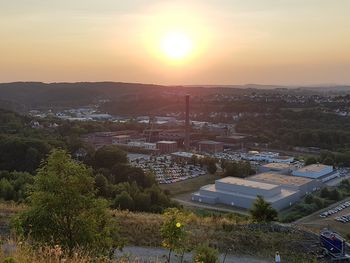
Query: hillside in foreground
<point>227,233</point>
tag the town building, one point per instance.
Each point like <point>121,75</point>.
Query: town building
<point>242,193</point>
<point>317,171</point>
<point>210,147</point>
<point>165,147</point>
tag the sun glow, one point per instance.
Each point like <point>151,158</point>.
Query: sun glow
<point>176,45</point>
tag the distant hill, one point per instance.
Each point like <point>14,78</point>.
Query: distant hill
<point>24,96</point>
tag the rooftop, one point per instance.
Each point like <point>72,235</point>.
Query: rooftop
<point>313,168</point>
<point>247,183</point>
<point>281,179</point>
<point>277,165</point>
<point>209,142</point>
<point>167,142</point>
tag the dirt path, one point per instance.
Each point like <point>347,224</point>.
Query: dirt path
<point>143,254</point>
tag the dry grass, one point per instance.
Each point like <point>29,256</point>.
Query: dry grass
<point>18,252</point>
<point>142,229</point>
<point>235,233</point>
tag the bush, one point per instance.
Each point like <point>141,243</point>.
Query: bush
<point>9,260</point>
<point>206,254</point>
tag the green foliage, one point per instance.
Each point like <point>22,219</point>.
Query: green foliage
<point>262,211</point>
<point>9,260</point>
<point>173,231</point>
<point>307,128</point>
<point>310,160</point>
<point>14,185</point>
<point>309,199</point>
<point>335,195</point>
<point>240,169</point>
<point>210,164</point>
<point>205,254</point>
<point>63,208</point>
<point>108,156</point>
<point>324,192</point>
<point>124,201</point>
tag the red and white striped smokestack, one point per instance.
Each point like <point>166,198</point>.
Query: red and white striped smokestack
<point>187,123</point>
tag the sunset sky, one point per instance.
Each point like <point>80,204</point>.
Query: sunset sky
<point>290,42</point>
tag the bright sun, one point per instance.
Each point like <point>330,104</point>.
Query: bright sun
<point>176,45</point>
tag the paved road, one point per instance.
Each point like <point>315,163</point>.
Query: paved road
<point>152,255</point>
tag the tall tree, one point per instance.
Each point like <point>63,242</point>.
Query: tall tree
<point>63,208</point>
<point>262,211</point>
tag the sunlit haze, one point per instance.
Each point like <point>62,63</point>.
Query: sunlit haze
<point>289,42</point>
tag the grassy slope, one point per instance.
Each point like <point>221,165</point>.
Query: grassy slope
<point>235,232</point>
<point>142,229</point>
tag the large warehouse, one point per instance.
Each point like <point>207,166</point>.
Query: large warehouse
<point>301,184</point>
<point>281,168</point>
<point>321,172</point>
<point>243,193</point>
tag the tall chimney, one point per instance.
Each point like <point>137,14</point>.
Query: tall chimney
<point>187,123</point>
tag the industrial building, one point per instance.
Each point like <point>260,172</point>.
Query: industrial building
<point>243,193</point>
<point>281,168</point>
<point>321,172</point>
<point>301,184</point>
<point>210,147</point>
<point>270,157</point>
<point>167,146</point>
<point>185,156</point>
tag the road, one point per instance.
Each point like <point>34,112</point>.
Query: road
<point>143,254</point>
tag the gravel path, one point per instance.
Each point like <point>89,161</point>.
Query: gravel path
<point>151,255</point>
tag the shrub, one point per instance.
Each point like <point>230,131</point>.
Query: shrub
<point>205,254</point>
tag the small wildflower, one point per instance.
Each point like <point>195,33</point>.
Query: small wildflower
<point>178,225</point>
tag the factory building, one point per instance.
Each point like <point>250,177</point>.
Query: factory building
<point>165,147</point>
<point>301,184</point>
<point>120,139</point>
<point>270,157</point>
<point>321,172</point>
<point>185,156</point>
<point>243,193</point>
<point>281,168</point>
<point>210,147</point>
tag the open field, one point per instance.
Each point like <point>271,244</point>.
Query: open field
<point>315,223</point>
<point>190,185</point>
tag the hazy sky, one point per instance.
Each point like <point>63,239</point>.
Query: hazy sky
<point>233,41</point>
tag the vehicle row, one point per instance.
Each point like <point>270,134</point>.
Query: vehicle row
<point>335,210</point>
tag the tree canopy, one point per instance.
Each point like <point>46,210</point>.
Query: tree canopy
<point>262,211</point>
<point>63,208</point>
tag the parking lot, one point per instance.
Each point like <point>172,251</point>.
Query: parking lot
<point>328,219</point>
<point>166,170</point>
<point>344,218</point>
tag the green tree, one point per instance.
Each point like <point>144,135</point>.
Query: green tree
<point>262,211</point>
<point>63,208</point>
<point>324,192</point>
<point>108,156</point>
<point>211,166</point>
<point>124,201</point>
<point>310,160</point>
<point>173,231</point>
<point>334,195</point>
<point>206,254</point>
<point>328,161</point>
<point>101,184</point>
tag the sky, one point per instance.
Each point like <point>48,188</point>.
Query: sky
<point>280,42</point>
